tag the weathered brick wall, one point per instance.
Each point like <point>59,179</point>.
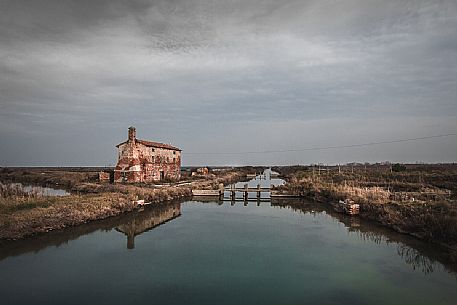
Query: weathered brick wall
<point>141,163</point>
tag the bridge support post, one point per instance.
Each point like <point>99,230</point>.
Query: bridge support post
<point>245,192</point>
<point>232,195</point>
<point>258,194</point>
<point>221,191</point>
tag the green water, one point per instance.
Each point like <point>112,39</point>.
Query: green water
<point>219,253</point>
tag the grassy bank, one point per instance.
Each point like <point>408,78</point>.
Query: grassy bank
<point>419,200</point>
<point>21,219</point>
<point>66,178</point>
<point>24,214</point>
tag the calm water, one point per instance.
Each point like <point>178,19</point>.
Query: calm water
<point>40,190</point>
<point>283,252</point>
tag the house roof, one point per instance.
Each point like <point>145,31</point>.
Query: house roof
<point>153,144</point>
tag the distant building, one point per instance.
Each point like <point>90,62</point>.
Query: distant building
<point>202,171</point>
<point>146,161</point>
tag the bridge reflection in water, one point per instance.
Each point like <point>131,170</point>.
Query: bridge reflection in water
<point>146,220</point>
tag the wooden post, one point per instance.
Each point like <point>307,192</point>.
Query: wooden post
<point>258,191</point>
<point>245,194</point>
<point>221,190</point>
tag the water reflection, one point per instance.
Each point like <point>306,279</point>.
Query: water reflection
<point>418,254</point>
<point>131,224</point>
<point>146,220</point>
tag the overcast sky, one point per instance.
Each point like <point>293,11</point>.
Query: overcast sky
<point>228,76</point>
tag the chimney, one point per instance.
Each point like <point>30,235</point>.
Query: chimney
<point>132,134</point>
<point>130,241</point>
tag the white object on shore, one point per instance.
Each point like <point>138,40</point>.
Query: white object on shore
<point>139,202</point>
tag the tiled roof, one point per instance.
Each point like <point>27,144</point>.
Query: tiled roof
<point>153,144</point>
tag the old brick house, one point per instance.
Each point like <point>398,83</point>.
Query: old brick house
<point>146,161</point>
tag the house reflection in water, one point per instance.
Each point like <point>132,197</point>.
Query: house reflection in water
<point>146,220</point>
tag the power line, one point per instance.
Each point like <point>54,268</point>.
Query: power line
<point>324,147</point>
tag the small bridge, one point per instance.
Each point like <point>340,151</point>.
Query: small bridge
<point>246,190</point>
<point>261,176</point>
<point>232,190</point>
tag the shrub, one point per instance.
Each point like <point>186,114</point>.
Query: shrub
<point>397,167</point>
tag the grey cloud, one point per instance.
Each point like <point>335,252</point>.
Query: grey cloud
<point>190,71</point>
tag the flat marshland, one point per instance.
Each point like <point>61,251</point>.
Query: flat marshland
<point>417,199</point>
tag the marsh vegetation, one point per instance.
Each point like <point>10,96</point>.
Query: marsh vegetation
<point>416,199</point>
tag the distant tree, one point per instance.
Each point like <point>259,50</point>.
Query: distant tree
<point>397,167</point>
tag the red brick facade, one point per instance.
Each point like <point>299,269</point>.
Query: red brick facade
<point>146,161</point>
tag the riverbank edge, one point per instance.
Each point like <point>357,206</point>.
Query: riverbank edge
<point>422,221</point>
<point>96,201</point>
<point>69,211</point>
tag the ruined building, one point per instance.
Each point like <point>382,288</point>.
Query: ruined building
<point>146,161</point>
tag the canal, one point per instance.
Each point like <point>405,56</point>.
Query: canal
<point>222,252</point>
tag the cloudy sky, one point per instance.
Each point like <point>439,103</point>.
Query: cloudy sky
<point>218,78</point>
